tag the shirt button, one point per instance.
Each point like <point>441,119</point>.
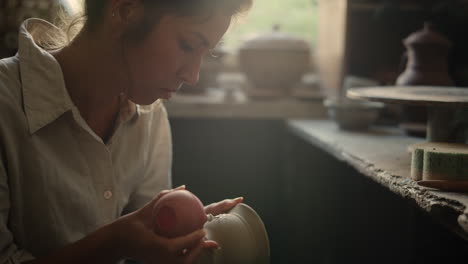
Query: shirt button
<point>107,195</point>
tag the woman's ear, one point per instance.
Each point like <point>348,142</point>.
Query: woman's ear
<point>127,12</point>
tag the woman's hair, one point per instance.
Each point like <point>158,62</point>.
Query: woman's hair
<point>94,12</point>
<point>94,9</point>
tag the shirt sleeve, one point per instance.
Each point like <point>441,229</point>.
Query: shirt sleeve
<point>157,160</point>
<point>9,252</point>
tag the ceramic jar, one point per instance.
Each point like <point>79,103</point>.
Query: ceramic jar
<point>274,63</point>
<point>427,64</point>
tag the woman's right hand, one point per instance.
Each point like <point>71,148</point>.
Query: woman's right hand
<point>134,237</point>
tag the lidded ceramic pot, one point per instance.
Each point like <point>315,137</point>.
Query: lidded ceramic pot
<point>274,63</point>
<point>428,52</point>
<point>427,64</point>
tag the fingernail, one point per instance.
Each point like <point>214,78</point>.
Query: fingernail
<point>182,187</point>
<point>239,198</point>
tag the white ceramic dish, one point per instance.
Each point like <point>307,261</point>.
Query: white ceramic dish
<point>241,235</point>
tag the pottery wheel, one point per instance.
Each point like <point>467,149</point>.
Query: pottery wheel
<point>414,95</point>
<point>442,103</point>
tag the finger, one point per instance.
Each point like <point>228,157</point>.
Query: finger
<point>214,209</point>
<point>210,244</point>
<point>189,241</point>
<point>223,206</point>
<point>226,205</point>
<point>182,187</point>
<point>194,253</point>
<point>239,199</point>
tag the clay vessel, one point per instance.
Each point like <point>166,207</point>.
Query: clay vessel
<point>427,59</point>
<point>274,63</point>
<point>241,235</point>
<point>178,213</point>
<point>427,64</point>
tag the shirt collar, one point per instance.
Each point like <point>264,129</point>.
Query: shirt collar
<point>44,93</point>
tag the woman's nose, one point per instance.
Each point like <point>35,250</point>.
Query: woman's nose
<point>190,73</point>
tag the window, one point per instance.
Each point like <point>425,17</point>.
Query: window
<point>73,6</point>
<point>297,17</point>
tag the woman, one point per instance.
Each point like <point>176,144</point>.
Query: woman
<point>84,141</point>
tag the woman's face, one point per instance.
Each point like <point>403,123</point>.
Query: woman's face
<point>171,55</point>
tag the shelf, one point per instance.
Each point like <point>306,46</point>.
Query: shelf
<point>374,6</point>
<point>219,103</point>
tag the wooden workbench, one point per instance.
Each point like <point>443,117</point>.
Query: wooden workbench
<point>381,154</point>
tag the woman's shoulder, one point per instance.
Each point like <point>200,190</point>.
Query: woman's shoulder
<point>12,115</point>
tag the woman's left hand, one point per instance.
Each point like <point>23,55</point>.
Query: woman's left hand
<point>223,206</point>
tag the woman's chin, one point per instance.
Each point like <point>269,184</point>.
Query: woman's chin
<point>146,100</point>
<point>165,96</point>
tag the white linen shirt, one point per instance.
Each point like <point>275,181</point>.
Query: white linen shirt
<point>58,180</point>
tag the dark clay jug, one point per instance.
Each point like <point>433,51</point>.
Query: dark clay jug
<point>427,65</point>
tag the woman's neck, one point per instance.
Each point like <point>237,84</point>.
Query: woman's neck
<point>93,78</point>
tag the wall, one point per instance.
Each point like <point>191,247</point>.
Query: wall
<point>219,159</point>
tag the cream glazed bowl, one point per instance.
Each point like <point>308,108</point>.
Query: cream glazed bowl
<point>241,235</point>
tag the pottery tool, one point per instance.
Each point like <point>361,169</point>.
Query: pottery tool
<point>439,161</point>
<point>442,166</point>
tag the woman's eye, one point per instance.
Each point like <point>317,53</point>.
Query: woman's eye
<point>185,46</point>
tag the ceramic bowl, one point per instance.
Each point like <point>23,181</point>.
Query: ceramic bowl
<point>353,114</point>
<point>274,63</point>
<point>241,235</point>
